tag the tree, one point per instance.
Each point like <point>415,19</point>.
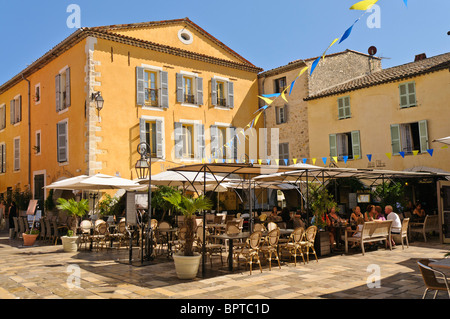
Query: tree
<point>321,202</point>
<point>158,200</point>
<point>390,193</point>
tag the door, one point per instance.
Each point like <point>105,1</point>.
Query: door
<point>39,183</point>
<point>444,209</point>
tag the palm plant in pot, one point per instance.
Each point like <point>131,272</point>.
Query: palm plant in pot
<point>73,209</point>
<point>187,264</point>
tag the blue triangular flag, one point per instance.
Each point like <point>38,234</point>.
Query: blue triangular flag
<point>369,156</point>
<point>285,161</point>
<point>345,158</point>
<point>304,160</point>
<point>402,154</point>
<point>271,95</point>
<point>268,161</point>
<point>430,151</point>
<point>251,161</point>
<point>324,159</point>
<point>313,66</point>
<point>292,86</point>
<point>406,2</point>
<point>347,32</point>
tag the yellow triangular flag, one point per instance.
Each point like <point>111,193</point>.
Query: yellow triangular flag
<point>216,160</point>
<point>335,158</point>
<point>230,160</point>
<point>389,155</point>
<point>445,146</point>
<point>283,96</point>
<point>203,160</point>
<point>314,161</point>
<point>303,71</point>
<point>332,43</point>
<point>257,118</point>
<point>415,152</point>
<point>356,156</point>
<point>259,162</point>
<point>363,5</point>
<point>294,160</point>
<point>277,161</point>
<point>267,100</point>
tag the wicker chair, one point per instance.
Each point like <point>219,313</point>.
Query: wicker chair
<point>308,243</point>
<point>211,248</point>
<point>218,219</point>
<point>42,232</point>
<point>48,230</point>
<point>85,233</point>
<point>403,234</point>
<point>294,245</point>
<point>250,251</point>
<point>271,226</point>
<point>161,235</point>
<point>271,247</point>
<point>259,227</point>
<point>430,279</point>
<point>101,234</point>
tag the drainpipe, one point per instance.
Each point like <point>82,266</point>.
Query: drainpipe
<point>29,130</point>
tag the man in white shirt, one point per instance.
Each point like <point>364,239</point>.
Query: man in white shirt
<point>396,227</point>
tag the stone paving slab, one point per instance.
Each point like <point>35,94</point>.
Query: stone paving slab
<point>46,272</point>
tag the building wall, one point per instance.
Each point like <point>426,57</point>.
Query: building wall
<point>373,110</point>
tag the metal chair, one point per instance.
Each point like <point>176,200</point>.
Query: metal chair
<point>430,279</point>
<point>250,251</point>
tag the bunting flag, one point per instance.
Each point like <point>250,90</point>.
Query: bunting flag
<point>266,99</point>
<point>345,158</point>
<point>348,31</point>
<point>284,96</point>
<point>402,154</point>
<point>332,43</point>
<point>268,161</point>
<point>302,71</point>
<point>271,95</point>
<point>430,151</point>
<point>292,86</point>
<point>304,160</point>
<point>294,160</point>
<point>356,157</point>
<point>277,161</point>
<point>415,152</point>
<point>324,160</point>
<point>285,161</point>
<point>314,161</point>
<point>364,5</point>
<point>369,156</point>
<point>313,66</point>
<point>257,117</point>
<point>335,158</point>
<point>406,2</point>
<point>445,146</point>
<point>389,155</point>
<point>259,162</point>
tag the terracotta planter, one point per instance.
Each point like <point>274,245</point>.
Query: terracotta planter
<point>29,240</point>
<point>70,244</point>
<point>187,266</point>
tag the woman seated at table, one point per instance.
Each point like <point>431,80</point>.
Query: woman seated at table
<point>333,220</point>
<point>286,217</point>
<point>355,215</point>
<point>380,214</point>
<point>370,214</point>
<point>418,214</point>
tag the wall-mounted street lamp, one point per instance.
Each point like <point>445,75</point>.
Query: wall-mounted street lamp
<point>97,97</point>
<point>144,170</point>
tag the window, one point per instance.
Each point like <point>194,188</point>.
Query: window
<point>62,85</point>
<point>344,107</point>
<point>189,89</point>
<point>280,85</point>
<point>152,87</point>
<point>62,141</point>
<point>409,137</point>
<point>281,114</point>
<point>222,92</point>
<point>185,36</point>
<point>284,153</point>
<point>2,158</point>
<point>222,142</point>
<point>407,94</point>
<point>2,116</point>
<point>345,145</point>
<point>151,132</point>
<point>17,154</point>
<point>37,146</point>
<point>16,110</point>
<point>189,140</point>
<point>37,94</point>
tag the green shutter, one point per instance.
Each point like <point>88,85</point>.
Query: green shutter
<point>356,144</point>
<point>140,87</point>
<point>333,145</point>
<point>395,139</point>
<point>347,113</point>
<point>407,94</point>
<point>423,133</point>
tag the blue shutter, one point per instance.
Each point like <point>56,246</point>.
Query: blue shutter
<point>200,141</point>
<point>214,141</point>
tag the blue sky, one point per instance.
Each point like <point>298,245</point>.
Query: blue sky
<point>267,33</point>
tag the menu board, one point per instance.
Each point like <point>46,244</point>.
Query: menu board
<point>32,207</point>
<point>131,208</point>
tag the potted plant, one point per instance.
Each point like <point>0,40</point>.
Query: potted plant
<point>29,237</point>
<point>73,209</point>
<point>186,264</point>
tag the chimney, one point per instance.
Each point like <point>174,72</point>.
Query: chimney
<point>420,57</point>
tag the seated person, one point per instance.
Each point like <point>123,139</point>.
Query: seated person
<point>418,215</point>
<point>355,215</point>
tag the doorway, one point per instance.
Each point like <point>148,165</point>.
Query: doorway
<point>444,209</point>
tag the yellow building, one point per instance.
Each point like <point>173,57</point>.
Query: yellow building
<point>168,83</point>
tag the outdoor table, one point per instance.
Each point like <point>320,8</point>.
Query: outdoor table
<point>230,238</point>
<point>443,264</point>
<point>169,235</point>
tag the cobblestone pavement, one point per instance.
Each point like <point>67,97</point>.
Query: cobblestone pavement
<point>44,271</point>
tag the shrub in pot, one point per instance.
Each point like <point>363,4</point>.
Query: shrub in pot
<point>187,264</point>
<point>73,209</point>
<point>29,237</point>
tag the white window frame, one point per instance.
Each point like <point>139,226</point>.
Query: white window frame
<point>17,109</point>
<point>283,119</point>
<point>157,69</point>
<point>194,86</point>
<point>40,94</point>
<point>36,142</point>
<point>62,84</point>
<point>147,118</point>
<point>15,150</point>
<point>3,106</point>
<point>67,143</point>
<point>194,141</point>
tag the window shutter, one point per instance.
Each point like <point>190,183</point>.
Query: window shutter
<point>423,133</point>
<point>11,112</point>
<point>214,141</point>
<point>199,99</point>
<point>407,94</point>
<point>346,107</point>
<point>230,100</point>
<point>3,117</point>
<point>213,92</point>
<point>67,87</point>
<point>19,109</point>
<point>17,154</point>
<point>159,139</point>
<point>356,144</point>
<point>178,135</point>
<point>140,87</point>
<point>340,108</point>
<point>3,161</point>
<point>180,89</point>
<point>412,94</point>
<point>230,139</point>
<point>200,141</point>
<point>58,92</point>
<point>142,132</point>
<point>62,142</point>
<point>164,89</point>
<point>277,114</point>
<point>395,139</point>
<point>333,145</point>
<point>286,113</point>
